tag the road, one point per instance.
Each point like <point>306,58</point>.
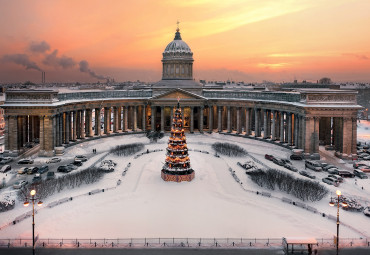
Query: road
<point>169,251</point>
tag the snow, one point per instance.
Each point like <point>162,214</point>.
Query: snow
<point>212,205</point>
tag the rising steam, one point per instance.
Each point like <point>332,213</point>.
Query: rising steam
<point>21,59</point>
<point>84,67</point>
<point>53,60</point>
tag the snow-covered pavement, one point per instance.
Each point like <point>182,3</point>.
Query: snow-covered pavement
<point>212,205</point>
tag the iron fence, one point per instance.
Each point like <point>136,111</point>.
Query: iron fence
<point>171,242</point>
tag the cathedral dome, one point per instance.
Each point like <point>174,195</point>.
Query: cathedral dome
<point>177,45</point>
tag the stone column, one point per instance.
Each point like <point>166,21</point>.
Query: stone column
<point>106,122</point>
<point>46,136</point>
<point>67,121</point>
<point>78,123</point>
<point>219,119</point>
<point>162,119</point>
<point>311,135</point>
<point>125,125</point>
<point>171,117</point>
<point>302,128</point>
<point>57,134</point>
<point>70,125</point>
<point>347,137</point>
<point>289,129</point>
<point>282,127</point>
<point>354,138</point>
<point>201,108</point>
<point>153,118</point>
<point>134,117</point>
<point>264,123</point>
<point>74,125</point>
<point>60,142</point>
<point>247,121</point>
<point>191,119</point>
<point>257,129</point>
<point>143,124</point>
<point>210,119</point>
<point>296,126</point>
<point>238,121</point>
<point>97,122</point>
<point>273,126</point>
<point>228,119</point>
<point>89,132</point>
<point>82,119</point>
<point>119,118</point>
<point>115,119</point>
<point>13,134</point>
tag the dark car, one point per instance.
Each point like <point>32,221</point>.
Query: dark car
<point>43,169</point>
<point>360,174</point>
<point>304,173</point>
<point>77,163</point>
<point>296,157</point>
<point>345,174</point>
<point>37,178</point>
<point>278,162</point>
<point>25,161</point>
<point>50,175</point>
<point>269,157</point>
<point>290,167</point>
<point>64,169</point>
<point>32,170</point>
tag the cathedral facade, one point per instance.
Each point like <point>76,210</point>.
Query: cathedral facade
<point>303,119</point>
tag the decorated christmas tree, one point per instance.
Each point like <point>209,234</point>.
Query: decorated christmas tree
<point>177,166</point>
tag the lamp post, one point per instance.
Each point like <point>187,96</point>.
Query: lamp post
<point>344,204</point>
<point>39,203</point>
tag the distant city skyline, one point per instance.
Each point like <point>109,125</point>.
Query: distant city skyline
<point>241,40</point>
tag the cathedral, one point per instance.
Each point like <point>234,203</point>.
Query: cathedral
<point>301,119</point>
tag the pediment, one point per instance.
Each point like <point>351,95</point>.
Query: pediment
<point>178,93</point>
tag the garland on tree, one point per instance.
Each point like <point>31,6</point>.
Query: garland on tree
<point>177,164</point>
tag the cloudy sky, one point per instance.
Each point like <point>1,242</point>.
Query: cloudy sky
<point>250,40</point>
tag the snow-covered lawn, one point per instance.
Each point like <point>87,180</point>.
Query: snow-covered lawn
<point>212,205</point>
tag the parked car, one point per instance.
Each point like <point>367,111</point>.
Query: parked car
<point>365,169</point>
<point>278,161</point>
<point>330,181</point>
<point>5,169</point>
<point>64,169</point>
<point>269,157</point>
<point>23,170</point>
<point>72,166</point>
<point>290,167</point>
<point>53,160</point>
<point>50,175</point>
<point>32,170</point>
<point>109,162</point>
<point>19,184</point>
<point>296,157</point>
<point>360,174</point>
<point>43,169</point>
<point>6,160</point>
<point>304,173</point>
<point>366,211</point>
<point>77,163</point>
<point>359,164</point>
<point>336,177</point>
<point>333,170</point>
<point>345,174</point>
<point>314,165</point>
<point>25,161</point>
<point>81,158</point>
<point>37,178</point>
<point>325,168</point>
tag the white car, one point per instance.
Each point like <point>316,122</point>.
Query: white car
<point>23,170</point>
<point>5,168</point>
<point>19,184</point>
<point>53,160</point>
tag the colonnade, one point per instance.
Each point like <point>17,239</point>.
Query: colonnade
<point>292,128</point>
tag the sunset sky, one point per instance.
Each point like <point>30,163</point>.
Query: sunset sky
<point>241,40</point>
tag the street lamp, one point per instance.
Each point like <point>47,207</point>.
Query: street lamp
<point>344,204</point>
<point>39,203</point>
